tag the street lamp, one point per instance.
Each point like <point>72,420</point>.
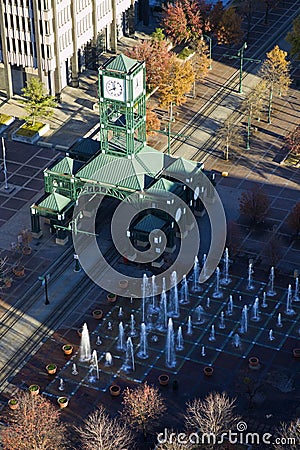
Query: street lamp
<point>210,48</point>
<point>44,279</point>
<point>241,56</point>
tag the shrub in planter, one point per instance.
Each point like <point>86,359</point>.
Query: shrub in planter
<point>63,402</point>
<point>67,349</point>
<point>34,389</point>
<point>13,403</point>
<point>51,369</point>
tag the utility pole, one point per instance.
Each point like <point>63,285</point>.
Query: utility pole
<point>240,56</point>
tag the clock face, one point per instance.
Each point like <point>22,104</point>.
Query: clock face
<point>114,88</point>
<point>138,84</point>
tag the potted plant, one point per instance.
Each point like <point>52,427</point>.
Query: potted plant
<point>163,379</point>
<point>67,349</point>
<point>296,352</point>
<point>13,403</point>
<point>63,402</point>
<point>26,239</point>
<point>253,362</point>
<point>114,390</point>
<point>208,371</point>
<point>97,313</point>
<point>19,269</point>
<point>34,389</point>
<point>123,284</point>
<point>7,282</point>
<point>51,369</point>
<point>111,297</point>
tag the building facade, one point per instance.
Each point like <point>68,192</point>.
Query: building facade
<point>50,39</point>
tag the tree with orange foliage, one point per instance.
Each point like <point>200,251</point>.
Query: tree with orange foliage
<point>293,140</point>
<point>230,27</point>
<point>152,122</point>
<point>34,425</point>
<point>143,406</point>
<point>182,21</point>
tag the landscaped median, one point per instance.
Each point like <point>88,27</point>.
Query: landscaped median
<point>30,133</point>
<point>5,121</point>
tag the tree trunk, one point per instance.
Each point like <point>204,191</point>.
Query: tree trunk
<point>270,104</point>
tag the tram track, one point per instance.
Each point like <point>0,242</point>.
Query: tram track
<point>225,91</point>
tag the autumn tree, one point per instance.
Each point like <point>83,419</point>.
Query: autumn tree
<point>143,406</point>
<point>100,432</point>
<point>293,38</point>
<point>182,21</point>
<point>275,71</point>
<point>152,122</point>
<point>293,140</point>
<point>252,106</point>
<point>293,219</point>
<point>170,440</point>
<point>34,425</point>
<point>230,27</point>
<point>157,58</point>
<point>288,436</point>
<point>254,204</point>
<point>200,61</point>
<point>213,415</point>
<point>179,83</point>
<point>229,134</point>
<point>38,104</point>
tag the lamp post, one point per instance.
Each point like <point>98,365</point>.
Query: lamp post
<point>210,49</point>
<point>44,279</point>
<point>240,56</point>
<point>77,267</point>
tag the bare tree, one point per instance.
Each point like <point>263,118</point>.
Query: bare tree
<point>212,416</point>
<point>230,135</point>
<point>254,204</point>
<point>289,436</point>
<point>34,425</point>
<point>100,432</point>
<point>171,440</point>
<point>142,407</point>
<point>293,140</point>
<point>293,219</point>
<point>252,107</point>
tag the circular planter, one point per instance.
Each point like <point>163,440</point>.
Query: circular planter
<point>26,250</point>
<point>163,379</point>
<point>51,369</point>
<point>13,403</point>
<point>63,402</point>
<point>111,298</point>
<point>254,362</point>
<point>123,284</point>
<point>98,314</point>
<point>208,371</point>
<point>67,349</point>
<point>19,271</point>
<point>34,389</point>
<point>7,283</point>
<point>114,390</point>
<point>296,353</point>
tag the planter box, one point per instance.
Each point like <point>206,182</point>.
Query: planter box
<point>18,136</point>
<point>5,121</point>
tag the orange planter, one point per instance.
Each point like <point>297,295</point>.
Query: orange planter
<point>34,389</point>
<point>208,371</point>
<point>111,298</point>
<point>51,369</point>
<point>13,403</point>
<point>63,402</point>
<point>163,379</point>
<point>98,314</point>
<point>115,390</point>
<point>67,349</point>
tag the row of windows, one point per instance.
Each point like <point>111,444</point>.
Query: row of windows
<point>18,46</point>
<point>63,16</point>
<point>82,4</point>
<point>21,3</point>
<point>84,24</point>
<point>65,40</point>
<point>17,22</point>
<point>43,4</point>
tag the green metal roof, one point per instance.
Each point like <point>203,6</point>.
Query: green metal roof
<point>54,202</point>
<point>121,63</point>
<point>85,147</point>
<point>163,185</point>
<point>66,166</point>
<point>181,166</point>
<point>149,223</point>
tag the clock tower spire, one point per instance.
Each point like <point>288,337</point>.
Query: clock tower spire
<point>122,105</point>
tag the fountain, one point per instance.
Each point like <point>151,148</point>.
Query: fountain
<point>229,311</point>
<point>143,352</point>
<point>132,332</point>
<point>74,369</point>
<point>94,366</point>
<point>108,359</point>
<point>250,284</point>
<point>184,292</point>
<point>226,280</point>
<point>173,310</point>
<point>212,336</point>
<point>289,310</point>
<point>145,288</point>
<point>85,345</point>
<point>270,291</point>
<point>196,272</point>
<point>162,319</point>
<point>203,351</point>
<point>271,335</point>
<point>199,314</point>
<point>154,308</point>
<point>255,310</point>
<point>296,297</point>
<point>98,341</point>
<point>61,386</point>
<point>217,292</point>
<point>222,321</point>
<point>264,302</point>
<point>208,303</point>
<point>109,326</point>
<point>279,321</point>
<point>121,338</point>
<point>170,347</point>
<point>120,313</point>
<point>204,267</point>
<point>189,326</point>
<point>244,321</point>
<point>236,341</point>
<point>179,340</point>
<point>129,363</point>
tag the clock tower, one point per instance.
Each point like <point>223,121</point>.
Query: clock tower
<point>122,105</point>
